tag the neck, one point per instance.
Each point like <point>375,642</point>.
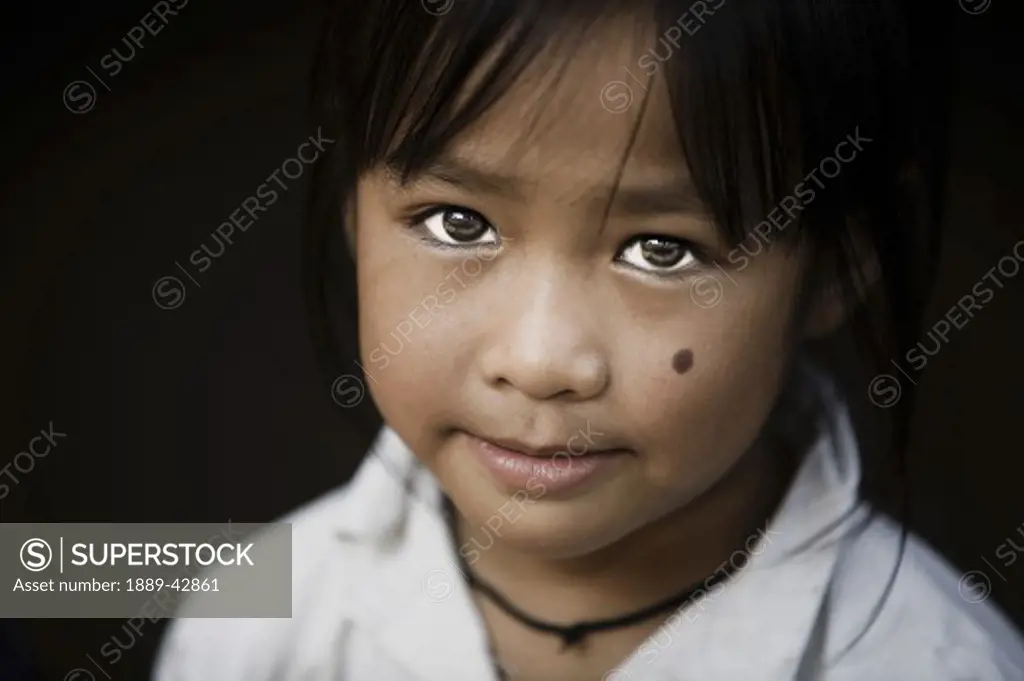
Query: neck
<point>653,563</point>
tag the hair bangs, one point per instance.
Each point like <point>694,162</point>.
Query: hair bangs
<point>432,76</point>
<point>763,92</point>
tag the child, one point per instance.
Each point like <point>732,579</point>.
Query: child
<point>592,242</point>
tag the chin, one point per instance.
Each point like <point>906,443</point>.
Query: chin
<point>552,529</point>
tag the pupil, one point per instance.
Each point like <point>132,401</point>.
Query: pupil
<point>463,226</point>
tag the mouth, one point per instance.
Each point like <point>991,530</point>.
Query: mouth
<point>519,465</point>
<point>549,450</point>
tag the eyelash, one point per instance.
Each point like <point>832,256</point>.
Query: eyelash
<point>417,222</point>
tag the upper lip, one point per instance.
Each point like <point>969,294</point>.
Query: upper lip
<point>535,450</point>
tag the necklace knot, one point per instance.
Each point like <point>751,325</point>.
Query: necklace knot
<point>573,635</point>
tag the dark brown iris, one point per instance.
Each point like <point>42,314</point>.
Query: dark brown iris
<point>463,225</point>
<point>662,252</point>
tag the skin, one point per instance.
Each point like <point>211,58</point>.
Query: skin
<point>549,331</point>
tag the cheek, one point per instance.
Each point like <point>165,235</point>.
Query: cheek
<point>701,401</point>
<point>415,310</point>
<point>396,317</point>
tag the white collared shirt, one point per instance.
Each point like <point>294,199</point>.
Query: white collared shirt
<point>377,595</point>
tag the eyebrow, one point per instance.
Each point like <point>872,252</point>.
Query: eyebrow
<point>670,193</point>
<point>464,175</point>
<point>669,196</point>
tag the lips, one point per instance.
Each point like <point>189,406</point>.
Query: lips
<point>582,442</point>
<point>542,469</point>
<point>531,450</point>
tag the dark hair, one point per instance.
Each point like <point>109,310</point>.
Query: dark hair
<point>762,92</point>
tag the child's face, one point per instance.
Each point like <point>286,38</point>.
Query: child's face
<point>549,321</point>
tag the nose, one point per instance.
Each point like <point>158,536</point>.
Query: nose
<point>546,347</point>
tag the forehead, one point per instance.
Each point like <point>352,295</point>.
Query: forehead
<point>579,112</point>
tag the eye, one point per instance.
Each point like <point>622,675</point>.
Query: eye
<point>456,226</point>
<point>661,255</point>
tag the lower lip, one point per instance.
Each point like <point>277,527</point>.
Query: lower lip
<point>524,472</point>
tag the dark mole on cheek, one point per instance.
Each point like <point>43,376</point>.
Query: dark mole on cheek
<point>682,361</point>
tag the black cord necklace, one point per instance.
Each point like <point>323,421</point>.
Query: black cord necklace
<point>574,635</point>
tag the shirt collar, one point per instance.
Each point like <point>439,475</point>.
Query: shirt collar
<point>769,610</point>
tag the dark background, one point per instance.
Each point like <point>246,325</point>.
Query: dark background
<point>217,410</point>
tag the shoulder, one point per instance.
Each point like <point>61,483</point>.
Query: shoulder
<point>930,620</point>
<point>215,649</point>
